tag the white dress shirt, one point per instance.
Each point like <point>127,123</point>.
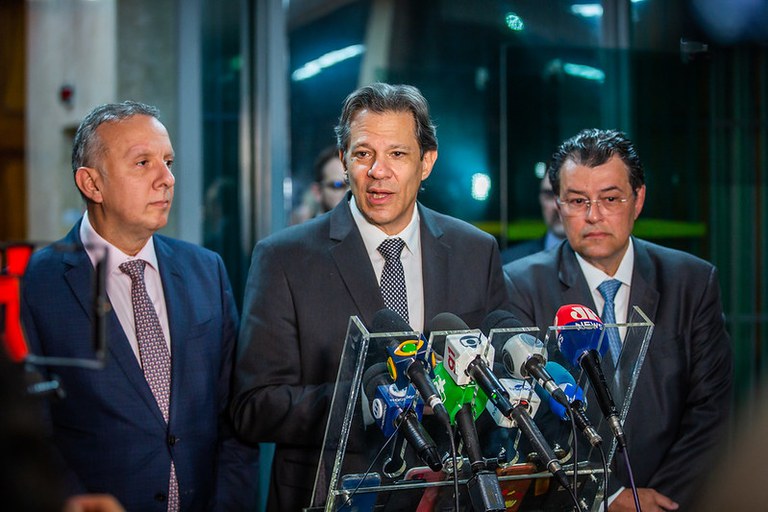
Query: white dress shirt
<point>595,277</point>
<point>119,284</point>
<point>410,257</point>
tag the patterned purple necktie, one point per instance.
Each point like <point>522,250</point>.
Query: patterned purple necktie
<point>154,354</point>
<point>393,277</point>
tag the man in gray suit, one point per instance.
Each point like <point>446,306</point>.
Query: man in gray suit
<point>306,281</point>
<point>681,404</point>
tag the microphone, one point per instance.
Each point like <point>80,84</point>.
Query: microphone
<point>500,319</point>
<point>398,410</point>
<point>523,354</point>
<point>520,391</point>
<point>547,456</point>
<point>409,360</point>
<point>577,403</point>
<point>580,344</point>
<point>469,357</point>
<point>474,346</point>
<point>465,400</point>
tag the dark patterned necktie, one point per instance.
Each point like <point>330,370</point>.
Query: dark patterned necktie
<point>608,289</point>
<point>393,277</point>
<point>153,353</point>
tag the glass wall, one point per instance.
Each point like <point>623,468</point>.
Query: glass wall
<point>508,80</point>
<point>221,66</point>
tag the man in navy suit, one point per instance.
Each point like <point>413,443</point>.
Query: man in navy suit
<point>306,281</point>
<point>113,430</point>
<point>681,404</point>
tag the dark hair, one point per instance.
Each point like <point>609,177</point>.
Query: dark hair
<point>87,144</point>
<point>327,154</point>
<point>593,147</point>
<point>380,98</point>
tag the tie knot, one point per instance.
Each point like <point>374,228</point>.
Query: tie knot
<point>608,289</point>
<point>134,269</point>
<point>391,248</point>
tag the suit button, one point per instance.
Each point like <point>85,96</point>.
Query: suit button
<point>172,440</point>
<point>160,496</point>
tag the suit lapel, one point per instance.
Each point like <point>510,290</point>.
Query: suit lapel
<point>349,254</point>
<point>79,275</point>
<point>435,268</point>
<point>175,296</point>
<point>643,293</point>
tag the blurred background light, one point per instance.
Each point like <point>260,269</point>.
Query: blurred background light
<point>481,186</point>
<point>327,60</point>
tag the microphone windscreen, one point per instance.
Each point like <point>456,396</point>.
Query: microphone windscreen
<point>584,334</point>
<point>516,352</point>
<point>499,319</point>
<point>387,320</point>
<point>445,322</point>
<point>376,375</point>
<point>559,374</point>
<point>567,384</point>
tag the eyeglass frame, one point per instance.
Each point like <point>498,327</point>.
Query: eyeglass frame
<point>564,206</point>
<point>335,184</point>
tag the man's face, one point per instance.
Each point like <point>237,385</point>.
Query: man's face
<point>549,210</point>
<point>333,187</point>
<point>133,180</point>
<point>385,168</point>
<point>600,238</point>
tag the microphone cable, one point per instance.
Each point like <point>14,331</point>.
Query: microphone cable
<point>624,451</point>
<point>605,477</point>
<point>452,441</point>
<point>376,457</point>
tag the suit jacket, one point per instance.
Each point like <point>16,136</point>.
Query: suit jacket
<point>681,404</point>
<point>109,429</point>
<point>304,284</point>
<point>522,249</point>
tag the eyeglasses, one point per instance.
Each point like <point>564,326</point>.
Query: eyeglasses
<point>574,206</point>
<point>335,185</point>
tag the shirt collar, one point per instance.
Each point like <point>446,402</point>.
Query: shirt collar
<point>595,276</point>
<point>95,245</point>
<point>373,236</point>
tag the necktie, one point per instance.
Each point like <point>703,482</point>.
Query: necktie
<point>393,277</point>
<point>608,289</point>
<point>153,353</point>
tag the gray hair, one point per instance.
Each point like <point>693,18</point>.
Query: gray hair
<point>380,98</point>
<point>87,145</point>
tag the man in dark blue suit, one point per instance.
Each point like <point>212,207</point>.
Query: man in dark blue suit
<point>150,427</point>
<point>306,281</point>
<point>680,407</point>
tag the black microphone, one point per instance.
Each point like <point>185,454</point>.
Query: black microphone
<point>580,345</point>
<point>396,411</point>
<point>546,455</point>
<point>406,363</point>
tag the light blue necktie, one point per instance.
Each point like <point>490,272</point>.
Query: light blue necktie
<point>608,290</point>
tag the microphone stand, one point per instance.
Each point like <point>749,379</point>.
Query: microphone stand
<point>483,485</point>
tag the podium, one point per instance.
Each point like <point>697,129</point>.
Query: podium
<point>351,474</point>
